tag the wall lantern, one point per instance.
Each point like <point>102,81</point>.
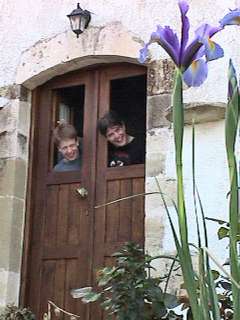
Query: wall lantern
<point>79,20</point>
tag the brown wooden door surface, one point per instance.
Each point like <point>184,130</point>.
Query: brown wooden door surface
<point>68,240</point>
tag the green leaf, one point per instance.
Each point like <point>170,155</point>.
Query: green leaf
<point>223,233</point>
<point>231,133</point>
<point>215,274</point>
<point>106,305</point>
<point>91,297</point>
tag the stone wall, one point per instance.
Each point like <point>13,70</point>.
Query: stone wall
<point>14,132</point>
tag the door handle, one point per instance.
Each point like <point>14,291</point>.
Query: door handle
<point>82,192</point>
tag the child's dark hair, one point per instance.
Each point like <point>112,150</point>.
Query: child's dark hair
<point>64,131</point>
<point>109,120</point>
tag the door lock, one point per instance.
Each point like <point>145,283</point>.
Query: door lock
<point>82,192</point>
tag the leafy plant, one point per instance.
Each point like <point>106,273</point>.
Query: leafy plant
<point>12,312</point>
<point>127,290</point>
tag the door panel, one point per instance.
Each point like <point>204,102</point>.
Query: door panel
<point>70,239</point>
<point>122,221</point>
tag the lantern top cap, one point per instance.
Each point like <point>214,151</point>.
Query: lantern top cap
<point>78,11</point>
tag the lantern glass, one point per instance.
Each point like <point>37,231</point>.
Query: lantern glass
<point>75,22</point>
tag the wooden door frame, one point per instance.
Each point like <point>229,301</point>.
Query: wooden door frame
<point>29,198</point>
<point>59,81</point>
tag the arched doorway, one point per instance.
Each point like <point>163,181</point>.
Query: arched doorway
<point>69,240</point>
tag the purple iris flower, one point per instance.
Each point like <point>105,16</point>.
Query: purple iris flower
<point>190,57</point>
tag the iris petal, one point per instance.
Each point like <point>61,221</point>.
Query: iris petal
<point>184,7</point>
<point>196,73</point>
<point>231,18</point>
<point>167,39</point>
<point>213,50</point>
<point>190,53</point>
<point>206,31</point>
<point>143,53</point>
<point>202,35</point>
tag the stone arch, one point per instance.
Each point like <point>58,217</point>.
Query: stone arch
<point>64,52</point>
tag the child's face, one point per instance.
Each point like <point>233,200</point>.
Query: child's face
<point>69,149</point>
<point>117,135</point>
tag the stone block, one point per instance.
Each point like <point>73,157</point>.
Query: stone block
<point>11,220</point>
<point>160,77</point>
<point>156,110</point>
<point>14,124</point>
<point>8,144</point>
<point>13,287</point>
<point>157,149</point>
<point>24,116</point>
<point>201,112</point>
<point>22,147</point>
<point>168,187</point>
<point>14,91</point>
<point>13,174</point>
<point>158,140</point>
<point>3,287</point>
<point>155,164</point>
<point>8,117</point>
<point>9,288</point>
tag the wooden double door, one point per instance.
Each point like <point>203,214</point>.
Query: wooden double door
<point>66,238</point>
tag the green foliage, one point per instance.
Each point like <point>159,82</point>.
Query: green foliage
<point>11,312</point>
<point>205,302</point>
<point>127,290</point>
<point>224,230</point>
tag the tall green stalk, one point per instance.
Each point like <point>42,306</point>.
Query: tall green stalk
<point>184,252</point>
<point>231,126</point>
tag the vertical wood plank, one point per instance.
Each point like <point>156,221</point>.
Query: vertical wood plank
<point>50,221</point>
<point>138,215</point>
<point>125,212</point>
<point>73,270</point>
<point>59,282</point>
<point>112,212</point>
<point>73,216</point>
<point>47,285</point>
<point>63,212</point>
